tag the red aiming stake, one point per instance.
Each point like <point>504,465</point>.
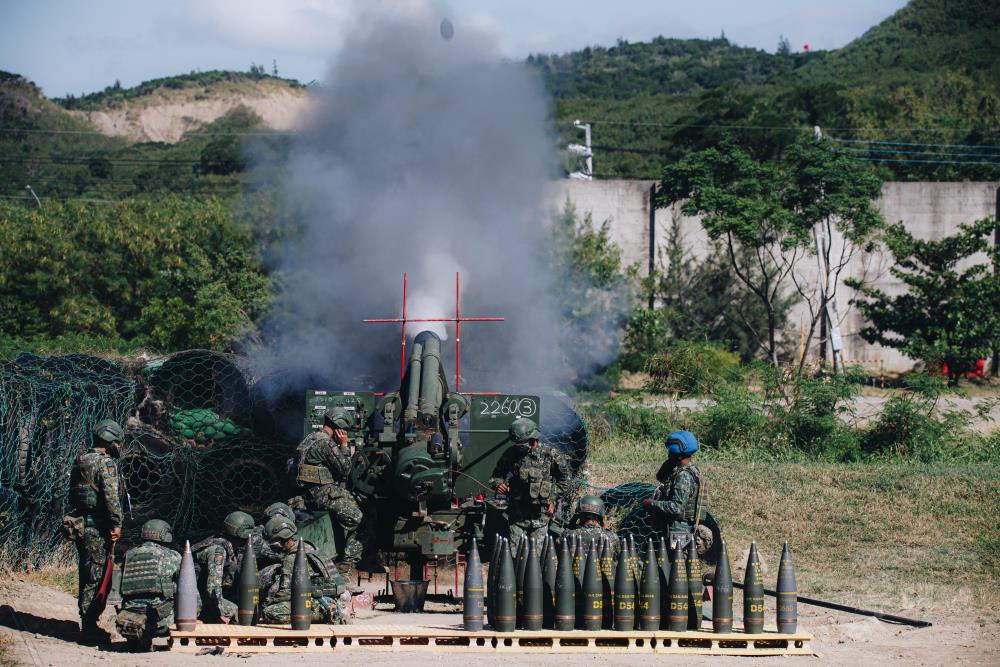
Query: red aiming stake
<point>458,319</point>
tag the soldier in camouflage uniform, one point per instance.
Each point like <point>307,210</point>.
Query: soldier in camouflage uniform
<point>324,469</point>
<point>264,551</point>
<point>588,523</point>
<point>97,522</point>
<point>149,583</point>
<point>330,596</point>
<point>678,501</point>
<point>533,475</point>
<point>218,560</point>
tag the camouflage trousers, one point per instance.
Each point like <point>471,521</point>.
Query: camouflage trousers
<point>214,611</point>
<point>139,623</point>
<point>344,513</point>
<point>324,610</point>
<point>92,549</point>
<point>528,521</point>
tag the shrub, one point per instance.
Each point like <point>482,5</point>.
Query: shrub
<point>692,367</point>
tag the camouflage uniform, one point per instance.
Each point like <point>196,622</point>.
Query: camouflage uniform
<point>536,477</point>
<point>323,471</point>
<point>218,564</point>
<point>675,501</point>
<point>149,583</point>
<point>263,551</point>
<point>94,496</point>
<point>330,596</point>
<point>591,532</point>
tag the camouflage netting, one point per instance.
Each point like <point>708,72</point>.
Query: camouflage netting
<point>629,517</point>
<point>48,406</point>
<point>202,438</point>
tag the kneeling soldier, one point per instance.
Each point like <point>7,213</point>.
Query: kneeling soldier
<point>149,583</point>
<point>588,523</point>
<point>218,562</point>
<point>330,595</point>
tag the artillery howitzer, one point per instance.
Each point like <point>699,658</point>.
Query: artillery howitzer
<point>423,457</point>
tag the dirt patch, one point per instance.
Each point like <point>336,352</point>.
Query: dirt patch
<point>167,114</point>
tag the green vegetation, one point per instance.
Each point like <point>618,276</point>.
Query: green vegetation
<point>949,316</point>
<point>165,272</point>
<point>61,156</point>
<point>765,213</point>
<point>926,75</point>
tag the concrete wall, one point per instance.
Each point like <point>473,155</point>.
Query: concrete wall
<point>929,210</point>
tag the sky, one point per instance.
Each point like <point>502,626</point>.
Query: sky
<point>72,46</point>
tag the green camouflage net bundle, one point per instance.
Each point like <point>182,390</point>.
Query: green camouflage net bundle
<point>48,406</point>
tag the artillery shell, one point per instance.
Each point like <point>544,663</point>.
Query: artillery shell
<point>788,594</point>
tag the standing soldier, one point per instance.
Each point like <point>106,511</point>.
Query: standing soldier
<point>330,596</point>
<point>324,468</point>
<point>678,503</point>
<point>97,524</point>
<point>533,476</point>
<point>588,523</point>
<point>218,562</point>
<point>149,583</point>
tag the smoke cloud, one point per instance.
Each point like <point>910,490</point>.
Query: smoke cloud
<point>429,157</point>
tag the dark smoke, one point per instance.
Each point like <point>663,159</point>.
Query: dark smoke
<point>425,156</point>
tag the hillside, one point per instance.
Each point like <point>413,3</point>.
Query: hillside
<point>165,109</point>
<point>204,132</point>
<point>927,75</point>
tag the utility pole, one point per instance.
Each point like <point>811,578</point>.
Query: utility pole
<point>584,151</point>
<point>32,192</point>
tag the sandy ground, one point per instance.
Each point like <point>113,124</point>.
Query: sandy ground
<point>42,625</point>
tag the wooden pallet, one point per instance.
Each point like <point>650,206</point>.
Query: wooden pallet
<point>451,638</point>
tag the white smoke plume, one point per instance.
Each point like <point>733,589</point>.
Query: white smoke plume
<point>426,156</point>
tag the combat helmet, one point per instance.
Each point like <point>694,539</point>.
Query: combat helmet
<point>238,524</point>
<point>157,530</point>
<point>681,443</point>
<point>337,417</point>
<point>592,505</point>
<point>279,528</point>
<point>279,508</point>
<point>523,429</point>
<point>107,431</point>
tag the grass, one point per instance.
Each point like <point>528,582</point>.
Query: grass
<point>894,536</point>
<point>7,651</point>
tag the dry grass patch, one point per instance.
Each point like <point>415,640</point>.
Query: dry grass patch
<point>899,537</point>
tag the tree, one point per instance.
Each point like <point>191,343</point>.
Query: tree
<point>784,48</point>
<point>830,192</point>
<point>764,213</point>
<point>165,272</point>
<point>222,156</point>
<point>949,315</point>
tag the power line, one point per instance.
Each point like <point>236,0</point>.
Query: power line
<point>908,143</point>
<point>905,152</point>
<point>886,159</point>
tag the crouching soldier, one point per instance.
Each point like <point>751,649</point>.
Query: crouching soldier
<point>149,583</point>
<point>330,595</point>
<point>264,551</point>
<point>588,523</point>
<point>218,560</point>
